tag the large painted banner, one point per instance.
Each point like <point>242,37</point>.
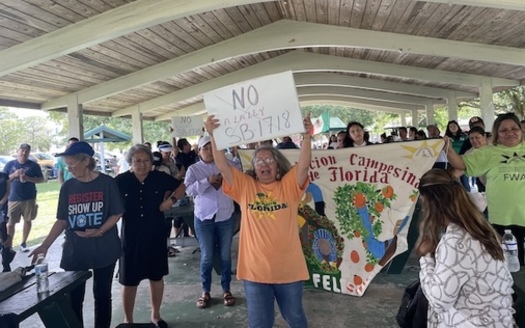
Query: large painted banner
<point>369,195</point>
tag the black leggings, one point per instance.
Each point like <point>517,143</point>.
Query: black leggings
<point>519,233</point>
<point>102,280</point>
<point>3,231</point>
<point>5,250</point>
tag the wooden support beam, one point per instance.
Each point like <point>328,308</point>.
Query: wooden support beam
<point>359,103</point>
<point>299,61</point>
<point>111,24</point>
<point>498,4</point>
<point>365,94</point>
<point>304,35</point>
<point>320,78</point>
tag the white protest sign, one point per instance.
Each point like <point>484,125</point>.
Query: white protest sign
<point>255,110</point>
<point>186,126</point>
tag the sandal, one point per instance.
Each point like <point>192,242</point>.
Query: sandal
<point>228,299</point>
<point>160,324</point>
<point>172,252</point>
<point>204,301</point>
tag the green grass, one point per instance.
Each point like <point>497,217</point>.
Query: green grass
<point>47,200</point>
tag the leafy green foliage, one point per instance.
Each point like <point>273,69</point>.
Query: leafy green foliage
<point>513,100</point>
<point>375,122</point>
<point>31,130</point>
<point>510,100</point>
<point>346,114</point>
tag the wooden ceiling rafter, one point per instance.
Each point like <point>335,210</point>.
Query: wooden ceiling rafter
<point>134,16</point>
<point>303,35</point>
<point>499,4</point>
<point>161,55</point>
<point>299,61</point>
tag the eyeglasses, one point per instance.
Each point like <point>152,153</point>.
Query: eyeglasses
<point>72,166</point>
<point>140,161</point>
<point>504,131</point>
<point>263,161</point>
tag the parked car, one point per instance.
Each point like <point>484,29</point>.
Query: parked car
<point>46,162</point>
<point>3,161</point>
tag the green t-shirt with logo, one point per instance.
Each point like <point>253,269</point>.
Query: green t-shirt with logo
<point>504,168</point>
<point>61,165</point>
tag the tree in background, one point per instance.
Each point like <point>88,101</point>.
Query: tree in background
<point>375,122</point>
<point>510,100</point>
<point>346,114</point>
<point>32,130</point>
<point>513,100</point>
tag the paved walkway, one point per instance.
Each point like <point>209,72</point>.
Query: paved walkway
<point>377,308</point>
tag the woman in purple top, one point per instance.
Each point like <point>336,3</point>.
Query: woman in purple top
<point>214,221</point>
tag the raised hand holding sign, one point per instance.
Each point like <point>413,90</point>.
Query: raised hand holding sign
<point>255,110</point>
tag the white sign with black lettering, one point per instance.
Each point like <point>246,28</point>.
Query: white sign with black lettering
<point>255,110</point>
<point>186,126</point>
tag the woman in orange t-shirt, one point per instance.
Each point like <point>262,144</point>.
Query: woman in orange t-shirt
<point>271,262</point>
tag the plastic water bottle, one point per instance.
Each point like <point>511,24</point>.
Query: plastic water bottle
<point>510,247</point>
<point>41,271</point>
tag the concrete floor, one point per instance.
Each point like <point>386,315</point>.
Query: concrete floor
<point>377,308</point>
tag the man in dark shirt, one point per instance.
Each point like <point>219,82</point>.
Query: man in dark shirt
<point>23,175</point>
<point>287,143</point>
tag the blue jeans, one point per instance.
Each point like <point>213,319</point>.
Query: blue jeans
<point>465,182</point>
<point>260,302</point>
<point>211,234</point>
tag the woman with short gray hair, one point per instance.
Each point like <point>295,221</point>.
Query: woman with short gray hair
<point>146,194</point>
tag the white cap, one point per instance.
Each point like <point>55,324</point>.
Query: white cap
<point>204,141</point>
<point>165,148</point>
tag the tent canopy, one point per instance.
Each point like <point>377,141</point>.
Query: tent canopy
<point>336,124</point>
<point>105,134</point>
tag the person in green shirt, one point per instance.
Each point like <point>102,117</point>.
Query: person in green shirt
<point>503,164</point>
<point>63,173</point>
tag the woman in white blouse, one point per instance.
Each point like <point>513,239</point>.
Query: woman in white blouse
<point>463,273</point>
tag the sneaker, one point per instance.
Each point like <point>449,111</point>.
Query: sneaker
<point>24,248</point>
